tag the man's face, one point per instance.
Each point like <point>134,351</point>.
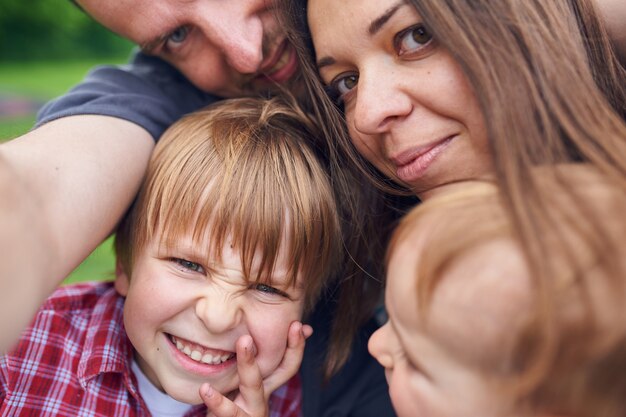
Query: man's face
<point>229,48</point>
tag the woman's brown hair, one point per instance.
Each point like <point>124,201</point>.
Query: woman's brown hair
<point>551,90</point>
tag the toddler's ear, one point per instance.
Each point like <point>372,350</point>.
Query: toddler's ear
<point>121,279</point>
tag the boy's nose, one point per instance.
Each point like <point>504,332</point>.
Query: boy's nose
<point>219,312</point>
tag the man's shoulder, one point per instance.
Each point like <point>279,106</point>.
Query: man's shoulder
<point>147,91</point>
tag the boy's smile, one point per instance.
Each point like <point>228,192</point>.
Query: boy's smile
<point>199,353</point>
<point>201,360</point>
<point>184,317</point>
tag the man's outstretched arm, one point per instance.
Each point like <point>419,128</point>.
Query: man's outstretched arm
<point>63,188</point>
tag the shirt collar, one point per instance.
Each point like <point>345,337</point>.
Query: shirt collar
<point>106,347</point>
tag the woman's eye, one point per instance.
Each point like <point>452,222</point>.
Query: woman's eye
<point>342,85</point>
<point>188,265</point>
<point>178,36</point>
<point>267,289</point>
<point>412,39</point>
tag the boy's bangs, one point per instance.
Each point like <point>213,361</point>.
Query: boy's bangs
<point>257,195</point>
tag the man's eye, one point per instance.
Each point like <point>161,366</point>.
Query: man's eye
<point>267,289</point>
<point>412,39</point>
<point>188,265</point>
<point>178,36</point>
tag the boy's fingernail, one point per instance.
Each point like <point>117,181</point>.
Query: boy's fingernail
<point>207,390</point>
<point>251,347</point>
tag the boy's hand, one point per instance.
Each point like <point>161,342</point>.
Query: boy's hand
<point>254,391</point>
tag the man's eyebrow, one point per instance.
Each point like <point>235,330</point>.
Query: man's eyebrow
<point>380,21</point>
<point>148,46</point>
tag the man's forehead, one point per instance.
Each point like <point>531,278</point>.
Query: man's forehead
<point>138,20</point>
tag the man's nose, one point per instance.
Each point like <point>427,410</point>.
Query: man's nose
<point>239,39</point>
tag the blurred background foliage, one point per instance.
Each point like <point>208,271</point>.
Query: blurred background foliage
<point>46,47</point>
<point>35,30</point>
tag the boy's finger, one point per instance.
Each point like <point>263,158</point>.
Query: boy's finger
<point>218,405</point>
<point>292,359</point>
<point>251,390</point>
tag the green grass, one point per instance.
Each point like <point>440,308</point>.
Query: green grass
<point>43,81</point>
<point>10,128</point>
<point>100,265</point>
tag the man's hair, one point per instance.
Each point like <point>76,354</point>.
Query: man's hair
<point>565,359</point>
<point>243,172</point>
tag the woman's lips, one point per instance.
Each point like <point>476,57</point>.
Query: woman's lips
<point>413,163</point>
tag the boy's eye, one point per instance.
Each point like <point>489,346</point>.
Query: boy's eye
<point>268,289</point>
<point>188,265</point>
<point>412,39</point>
<point>177,36</point>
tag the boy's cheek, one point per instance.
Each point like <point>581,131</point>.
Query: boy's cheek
<point>270,338</point>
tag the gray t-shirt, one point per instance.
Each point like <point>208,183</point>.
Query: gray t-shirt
<point>147,91</point>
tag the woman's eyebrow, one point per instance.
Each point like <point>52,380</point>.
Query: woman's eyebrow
<point>374,27</point>
<point>325,61</point>
<point>380,21</point>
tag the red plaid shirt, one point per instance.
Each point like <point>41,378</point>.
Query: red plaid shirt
<point>75,360</point>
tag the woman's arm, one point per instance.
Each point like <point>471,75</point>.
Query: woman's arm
<point>64,186</point>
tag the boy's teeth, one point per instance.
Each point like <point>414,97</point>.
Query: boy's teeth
<point>197,356</point>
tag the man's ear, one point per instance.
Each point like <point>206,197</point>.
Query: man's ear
<point>121,279</point>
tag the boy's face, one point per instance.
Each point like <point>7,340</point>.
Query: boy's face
<point>440,366</point>
<point>184,320</point>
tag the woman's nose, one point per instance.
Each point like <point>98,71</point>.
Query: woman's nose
<point>380,100</point>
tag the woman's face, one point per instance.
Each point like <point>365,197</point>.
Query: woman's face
<point>410,110</point>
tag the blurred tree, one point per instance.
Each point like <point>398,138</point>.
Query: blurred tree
<point>53,29</point>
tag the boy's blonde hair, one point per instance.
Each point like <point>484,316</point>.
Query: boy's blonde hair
<point>245,171</point>
<point>568,355</point>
